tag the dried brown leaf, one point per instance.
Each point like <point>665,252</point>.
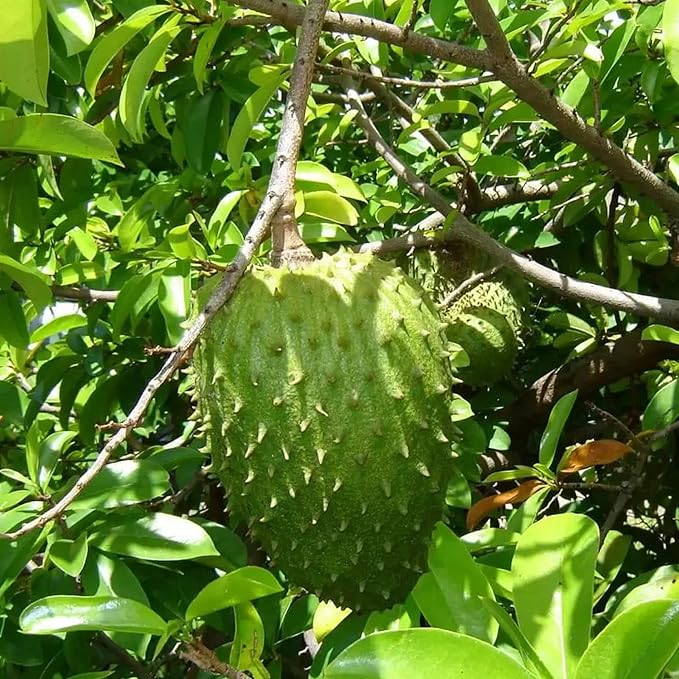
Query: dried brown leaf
<point>479,510</point>
<point>593,453</point>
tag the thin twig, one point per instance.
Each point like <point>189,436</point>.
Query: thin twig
<point>81,292</point>
<point>284,163</point>
<point>468,284</point>
<point>409,82</point>
<point>204,658</point>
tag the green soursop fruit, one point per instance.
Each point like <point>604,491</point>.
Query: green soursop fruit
<point>326,392</point>
<point>486,320</point>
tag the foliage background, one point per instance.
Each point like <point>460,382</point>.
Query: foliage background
<point>137,141</point>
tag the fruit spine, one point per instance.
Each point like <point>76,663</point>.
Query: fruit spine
<point>326,393</point>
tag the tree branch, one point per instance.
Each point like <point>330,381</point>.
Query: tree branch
<point>285,12</point>
<point>287,246</point>
<point>462,229</point>
<point>80,292</point>
<point>284,163</point>
<point>500,60</point>
<point>567,120</point>
<point>630,355</point>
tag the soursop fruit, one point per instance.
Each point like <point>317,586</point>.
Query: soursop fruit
<point>487,320</point>
<point>326,393</point>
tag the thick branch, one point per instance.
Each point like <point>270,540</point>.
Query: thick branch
<point>285,12</point>
<point>285,159</point>
<point>287,246</point>
<point>628,356</point>
<point>462,229</point>
<point>566,119</point>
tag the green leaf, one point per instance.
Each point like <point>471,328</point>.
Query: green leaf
<point>69,555</point>
<point>57,135</point>
<point>13,326</point>
<point>325,233</point>
<point>174,298</point>
<point>248,642</point>
<point>329,206</point>
<point>610,560</point>
<point>142,212</point>
<point>33,282</point>
<point>441,11</point>
<point>58,325</point>
<point>218,232</point>
<point>74,22</point>
<point>54,614</point>
<point>156,537</point>
<point>203,130</point>
<point>670,27</point>
<point>247,117</point>
<point>553,581</point>
<point>663,408</point>
<point>49,453</point>
<point>108,46</point>
<point>665,588</point>
<point>132,101</point>
<point>244,584</point>
<point>673,167</point>
<point>660,333</point>
<point>24,50</point>
<point>459,106</point>
<point>501,166</point>
<point>511,629</point>
<point>404,654</point>
<point>84,242</point>
<point>637,645</point>
<point>206,44</point>
<point>555,424</point>
<point>122,483</point>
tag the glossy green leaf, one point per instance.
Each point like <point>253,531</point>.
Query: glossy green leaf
<point>203,130</point>
<point>109,45</point>
<point>123,483</point>
<point>329,206</point>
<point>218,233</point>
<point>670,27</point>
<point>174,298</point>
<point>24,50</point>
<point>74,22</point>
<point>132,96</point>
<point>247,117</point>
<point>156,537</point>
<point>57,135</point>
<point>206,44</point>
<point>555,424</point>
<point>461,583</point>
<point>55,614</point>
<point>15,554</point>
<point>459,106</point>
<point>245,584</point>
<point>69,555</point>
<point>610,559</point>
<point>13,328</point>
<point>404,654</point>
<point>501,166</point>
<point>664,588</point>
<point>324,233</point>
<point>511,629</point>
<point>248,642</point>
<point>58,325</point>
<point>663,408</point>
<point>49,453</point>
<point>637,645</point>
<point>33,282</point>
<point>140,215</point>
<point>553,575</point>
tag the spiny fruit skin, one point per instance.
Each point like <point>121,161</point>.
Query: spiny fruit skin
<point>327,392</point>
<point>486,321</point>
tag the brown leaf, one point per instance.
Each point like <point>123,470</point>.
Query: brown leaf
<point>479,510</point>
<point>593,453</point>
